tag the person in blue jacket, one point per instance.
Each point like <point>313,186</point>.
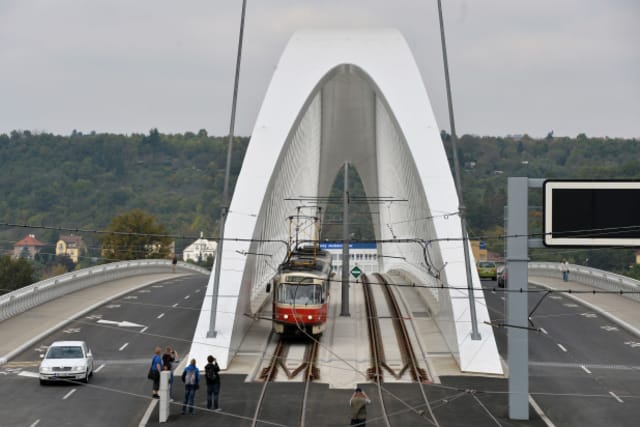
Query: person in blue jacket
<point>191,380</point>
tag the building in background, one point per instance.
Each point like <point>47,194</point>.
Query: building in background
<point>364,255</point>
<point>200,250</point>
<point>28,247</point>
<point>72,246</point>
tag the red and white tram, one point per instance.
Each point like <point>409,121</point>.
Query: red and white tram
<point>301,292</point>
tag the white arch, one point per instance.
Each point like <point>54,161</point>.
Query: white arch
<point>357,96</point>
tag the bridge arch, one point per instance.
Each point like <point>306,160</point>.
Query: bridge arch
<point>353,96</point>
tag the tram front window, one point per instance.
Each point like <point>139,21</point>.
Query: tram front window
<point>299,294</point>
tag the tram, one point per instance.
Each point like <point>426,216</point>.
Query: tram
<point>301,292</point>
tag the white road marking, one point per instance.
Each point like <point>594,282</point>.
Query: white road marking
<point>148,413</point>
<point>123,324</point>
<point>123,346</point>
<point>197,291</point>
<point>160,316</point>
<point>632,344</point>
<point>131,297</point>
<point>570,305</point>
<point>562,348</point>
<point>99,368</point>
<point>589,315</point>
<point>175,305</point>
<point>29,374</point>
<point>544,331</point>
<point>616,397</point>
<point>502,298</point>
<point>543,416</point>
<point>609,328</point>
<point>144,329</point>
<point>35,423</point>
<point>584,368</point>
<point>187,297</point>
<point>112,306</point>
<point>69,394</point>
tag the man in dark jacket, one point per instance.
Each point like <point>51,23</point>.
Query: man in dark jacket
<point>212,375</point>
<point>191,380</point>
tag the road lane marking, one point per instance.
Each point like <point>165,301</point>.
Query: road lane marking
<point>99,368</point>
<point>144,329</point>
<point>562,348</point>
<point>616,397</point>
<point>540,412</point>
<point>69,394</point>
<point>544,331</point>
<point>160,316</point>
<point>29,374</point>
<point>187,297</point>
<point>148,413</point>
<point>35,423</point>
<point>174,305</point>
<point>124,346</point>
<point>584,368</point>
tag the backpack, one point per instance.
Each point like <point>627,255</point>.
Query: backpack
<point>190,377</point>
<point>210,373</point>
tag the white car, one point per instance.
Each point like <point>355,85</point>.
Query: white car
<point>67,360</point>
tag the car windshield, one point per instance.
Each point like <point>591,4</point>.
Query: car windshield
<point>65,352</point>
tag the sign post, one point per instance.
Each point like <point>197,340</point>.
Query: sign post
<point>356,272</point>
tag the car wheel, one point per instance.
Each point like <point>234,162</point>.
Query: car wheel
<point>86,378</point>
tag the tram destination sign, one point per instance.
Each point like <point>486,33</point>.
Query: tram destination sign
<point>591,213</point>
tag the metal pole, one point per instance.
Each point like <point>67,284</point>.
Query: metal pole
<point>517,309</point>
<point>345,244</point>
<point>475,335</point>
<point>225,191</point>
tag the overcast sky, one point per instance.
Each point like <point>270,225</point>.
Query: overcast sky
<point>126,66</point>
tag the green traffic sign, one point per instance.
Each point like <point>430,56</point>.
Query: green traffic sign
<point>356,272</point>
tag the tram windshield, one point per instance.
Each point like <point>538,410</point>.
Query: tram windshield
<point>299,293</point>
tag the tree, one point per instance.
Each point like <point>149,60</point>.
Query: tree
<point>135,235</point>
<point>14,274</point>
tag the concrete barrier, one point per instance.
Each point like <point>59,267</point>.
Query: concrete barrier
<point>593,277</point>
<point>28,297</point>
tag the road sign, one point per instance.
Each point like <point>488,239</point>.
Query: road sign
<point>356,272</point>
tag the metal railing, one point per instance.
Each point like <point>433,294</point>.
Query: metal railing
<point>28,297</point>
<point>593,277</point>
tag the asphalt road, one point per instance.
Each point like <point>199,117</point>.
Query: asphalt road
<point>119,393</point>
<point>583,369</point>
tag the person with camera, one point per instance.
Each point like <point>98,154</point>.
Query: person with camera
<point>168,358</point>
<point>212,375</point>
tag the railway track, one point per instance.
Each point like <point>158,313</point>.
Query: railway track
<point>409,362</point>
<point>307,371</point>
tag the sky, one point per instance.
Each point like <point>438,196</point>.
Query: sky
<point>122,66</point>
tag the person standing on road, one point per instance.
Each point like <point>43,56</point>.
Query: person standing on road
<point>156,367</point>
<point>191,380</point>
<point>168,358</point>
<point>174,262</point>
<point>212,375</point>
<point>358,402</point>
<point>565,270</point>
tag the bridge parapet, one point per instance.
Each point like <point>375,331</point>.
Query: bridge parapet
<point>28,297</point>
<point>594,277</point>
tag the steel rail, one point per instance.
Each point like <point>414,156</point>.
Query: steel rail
<point>418,374</point>
<point>375,345</point>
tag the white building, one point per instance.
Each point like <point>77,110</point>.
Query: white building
<point>364,255</point>
<point>199,250</point>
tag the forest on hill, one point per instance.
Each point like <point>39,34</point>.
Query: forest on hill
<point>83,181</point>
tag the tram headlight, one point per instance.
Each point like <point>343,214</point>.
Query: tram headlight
<point>310,317</point>
<point>285,316</point>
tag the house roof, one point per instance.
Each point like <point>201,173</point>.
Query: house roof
<point>71,239</point>
<point>30,240</point>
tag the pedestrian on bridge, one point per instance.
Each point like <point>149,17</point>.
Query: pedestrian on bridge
<point>358,402</point>
<point>154,372</point>
<point>565,270</point>
<point>191,380</point>
<point>168,358</point>
<point>212,375</point>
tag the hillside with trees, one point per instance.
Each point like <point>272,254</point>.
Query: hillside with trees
<point>83,181</point>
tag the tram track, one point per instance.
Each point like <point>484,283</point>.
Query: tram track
<point>410,365</point>
<point>306,370</point>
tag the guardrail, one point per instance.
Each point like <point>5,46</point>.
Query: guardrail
<point>23,299</point>
<point>599,279</point>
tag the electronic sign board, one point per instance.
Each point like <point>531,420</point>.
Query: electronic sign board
<point>591,213</point>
